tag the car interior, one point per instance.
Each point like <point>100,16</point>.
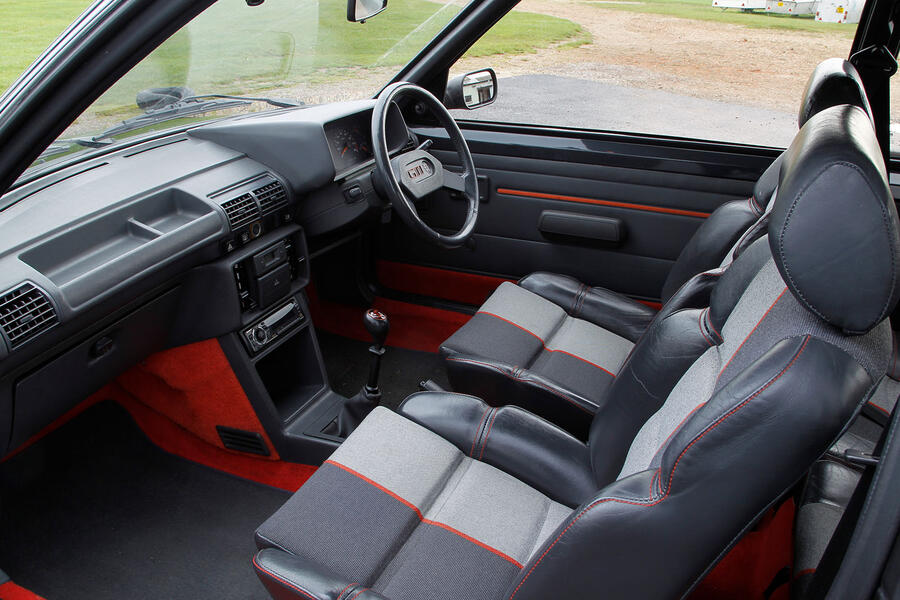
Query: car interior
<point>367,350</point>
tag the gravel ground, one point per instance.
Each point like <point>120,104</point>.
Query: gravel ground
<point>642,72</point>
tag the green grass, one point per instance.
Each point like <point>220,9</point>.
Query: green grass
<point>235,49</point>
<point>702,10</point>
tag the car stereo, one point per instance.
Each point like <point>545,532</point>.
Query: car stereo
<point>274,325</point>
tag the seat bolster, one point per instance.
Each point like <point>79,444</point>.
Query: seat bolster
<point>288,577</point>
<point>499,381</point>
<point>511,439</point>
<point>604,308</point>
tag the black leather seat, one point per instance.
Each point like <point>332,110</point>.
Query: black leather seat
<point>554,345</point>
<point>452,498</point>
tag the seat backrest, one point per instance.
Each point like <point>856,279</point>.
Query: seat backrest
<point>799,342</point>
<point>833,82</point>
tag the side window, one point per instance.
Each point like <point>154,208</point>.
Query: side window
<point>687,68</point>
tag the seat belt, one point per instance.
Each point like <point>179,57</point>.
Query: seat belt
<point>853,540</point>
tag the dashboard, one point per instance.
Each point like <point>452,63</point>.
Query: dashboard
<point>198,228</point>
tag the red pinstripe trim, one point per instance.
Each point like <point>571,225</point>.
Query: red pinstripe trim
<point>803,572</point>
<point>422,518</point>
<point>755,327</point>
<point>359,593</point>
<point>628,205</point>
<point>280,579</point>
<point>541,340</point>
<point>884,410</point>
<point>412,506</point>
<point>671,473</point>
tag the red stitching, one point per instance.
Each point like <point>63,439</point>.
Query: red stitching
<point>358,593</point>
<point>280,580</point>
<point>478,430</point>
<point>546,349</point>
<point>873,405</point>
<point>522,379</point>
<point>485,439</point>
<point>341,593</point>
<point>671,473</point>
<point>755,327</point>
<point>421,517</point>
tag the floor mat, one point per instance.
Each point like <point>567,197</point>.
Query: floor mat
<point>347,363</point>
<point>96,511</point>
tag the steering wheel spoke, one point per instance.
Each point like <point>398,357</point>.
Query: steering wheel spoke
<point>454,181</point>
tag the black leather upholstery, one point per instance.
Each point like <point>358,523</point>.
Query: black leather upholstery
<point>713,239</point>
<point>511,439</point>
<point>742,451</point>
<point>477,358</point>
<point>286,577</point>
<point>821,170</point>
<point>833,82</point>
<point>609,310</point>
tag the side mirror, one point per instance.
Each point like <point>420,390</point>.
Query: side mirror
<point>472,90</point>
<point>360,10</point>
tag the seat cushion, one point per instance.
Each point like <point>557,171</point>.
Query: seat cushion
<point>400,510</point>
<point>519,336</point>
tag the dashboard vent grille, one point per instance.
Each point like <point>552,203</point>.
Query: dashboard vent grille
<point>241,210</point>
<point>24,313</point>
<point>271,197</point>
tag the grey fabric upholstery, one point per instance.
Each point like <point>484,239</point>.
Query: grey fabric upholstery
<point>503,355</point>
<point>749,392</point>
<point>368,518</point>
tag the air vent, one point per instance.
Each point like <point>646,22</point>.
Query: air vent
<point>242,441</point>
<point>271,197</point>
<point>24,313</point>
<point>241,211</point>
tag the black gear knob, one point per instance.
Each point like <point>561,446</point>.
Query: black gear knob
<point>377,325</point>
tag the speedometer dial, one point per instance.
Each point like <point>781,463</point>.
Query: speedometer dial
<point>349,144</point>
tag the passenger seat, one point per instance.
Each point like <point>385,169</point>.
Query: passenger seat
<point>554,345</point>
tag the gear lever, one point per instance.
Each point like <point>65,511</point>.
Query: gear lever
<point>377,325</point>
<point>356,408</point>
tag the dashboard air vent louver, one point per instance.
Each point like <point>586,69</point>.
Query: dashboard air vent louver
<point>24,313</point>
<point>241,210</point>
<point>271,197</point>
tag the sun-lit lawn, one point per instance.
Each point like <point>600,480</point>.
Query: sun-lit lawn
<point>231,47</point>
<point>703,11</point>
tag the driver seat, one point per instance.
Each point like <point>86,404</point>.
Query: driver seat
<point>453,499</point>
<point>555,344</point>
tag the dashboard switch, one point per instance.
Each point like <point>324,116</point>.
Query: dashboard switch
<point>353,194</point>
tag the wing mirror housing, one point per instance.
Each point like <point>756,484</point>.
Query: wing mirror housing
<point>472,90</point>
<point>358,11</point>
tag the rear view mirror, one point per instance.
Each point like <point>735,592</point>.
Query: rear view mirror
<point>360,10</point>
<point>472,90</point>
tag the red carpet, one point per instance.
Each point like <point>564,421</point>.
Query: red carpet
<point>11,591</point>
<point>750,567</point>
<point>466,288</point>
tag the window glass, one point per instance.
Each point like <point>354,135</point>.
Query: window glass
<point>689,68</point>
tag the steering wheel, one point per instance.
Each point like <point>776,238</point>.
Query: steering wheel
<point>415,174</point>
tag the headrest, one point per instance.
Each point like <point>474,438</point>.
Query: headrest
<point>833,82</point>
<point>833,228</point>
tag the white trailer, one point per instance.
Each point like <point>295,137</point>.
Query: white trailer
<point>839,11</point>
<point>791,7</point>
<point>741,4</point>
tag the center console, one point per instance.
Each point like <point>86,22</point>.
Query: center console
<point>274,351</point>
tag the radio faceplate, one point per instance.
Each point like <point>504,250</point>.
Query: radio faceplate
<point>273,326</point>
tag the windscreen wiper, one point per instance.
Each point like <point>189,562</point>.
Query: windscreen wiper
<point>185,107</point>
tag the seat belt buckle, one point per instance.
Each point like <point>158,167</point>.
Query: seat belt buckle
<point>858,457</point>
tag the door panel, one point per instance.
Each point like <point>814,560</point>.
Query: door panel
<point>658,190</point>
